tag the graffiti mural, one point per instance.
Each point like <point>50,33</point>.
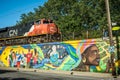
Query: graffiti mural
<point>90,57</point>
<point>81,55</point>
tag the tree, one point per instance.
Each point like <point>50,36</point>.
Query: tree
<point>76,16</point>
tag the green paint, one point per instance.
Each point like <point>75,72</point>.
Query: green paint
<point>73,54</point>
<point>102,65</point>
<point>40,53</point>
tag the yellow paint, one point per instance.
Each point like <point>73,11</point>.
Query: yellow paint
<point>50,65</point>
<point>74,43</point>
<point>98,68</point>
<point>4,56</point>
<point>117,63</point>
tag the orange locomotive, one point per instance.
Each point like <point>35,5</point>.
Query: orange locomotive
<point>40,31</point>
<point>43,26</point>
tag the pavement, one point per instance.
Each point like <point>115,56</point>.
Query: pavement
<point>77,73</point>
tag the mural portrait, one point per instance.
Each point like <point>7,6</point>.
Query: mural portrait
<point>89,57</point>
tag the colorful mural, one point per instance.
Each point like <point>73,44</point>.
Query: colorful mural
<point>81,55</point>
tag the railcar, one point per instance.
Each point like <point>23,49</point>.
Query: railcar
<point>43,30</point>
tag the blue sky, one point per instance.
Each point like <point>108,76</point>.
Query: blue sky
<point>11,10</point>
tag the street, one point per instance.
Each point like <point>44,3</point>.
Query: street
<point>31,75</point>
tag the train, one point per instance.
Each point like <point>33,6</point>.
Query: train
<point>42,30</point>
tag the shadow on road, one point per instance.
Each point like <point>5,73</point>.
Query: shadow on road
<point>53,79</point>
<point>14,79</point>
<point>6,71</point>
<point>8,78</point>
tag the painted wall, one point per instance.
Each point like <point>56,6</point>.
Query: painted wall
<point>81,55</point>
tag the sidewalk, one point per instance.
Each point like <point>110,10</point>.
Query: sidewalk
<point>77,73</point>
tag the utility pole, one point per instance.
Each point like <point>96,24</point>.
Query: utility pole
<point>110,37</point>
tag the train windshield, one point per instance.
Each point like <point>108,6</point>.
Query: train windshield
<point>45,22</point>
<point>51,21</point>
<point>38,22</point>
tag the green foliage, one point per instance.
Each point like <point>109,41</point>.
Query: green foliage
<point>75,17</point>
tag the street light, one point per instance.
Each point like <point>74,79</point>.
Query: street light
<point>110,37</point>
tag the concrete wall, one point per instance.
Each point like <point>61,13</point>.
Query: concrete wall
<point>81,55</point>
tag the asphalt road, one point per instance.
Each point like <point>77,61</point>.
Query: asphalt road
<point>30,75</point>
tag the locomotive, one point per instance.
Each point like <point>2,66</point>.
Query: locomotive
<point>43,30</point>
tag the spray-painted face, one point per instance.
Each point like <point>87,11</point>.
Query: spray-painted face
<point>91,55</point>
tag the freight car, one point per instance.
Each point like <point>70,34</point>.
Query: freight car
<point>43,30</point>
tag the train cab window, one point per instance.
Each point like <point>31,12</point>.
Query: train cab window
<point>51,21</point>
<point>45,22</point>
<point>38,22</point>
